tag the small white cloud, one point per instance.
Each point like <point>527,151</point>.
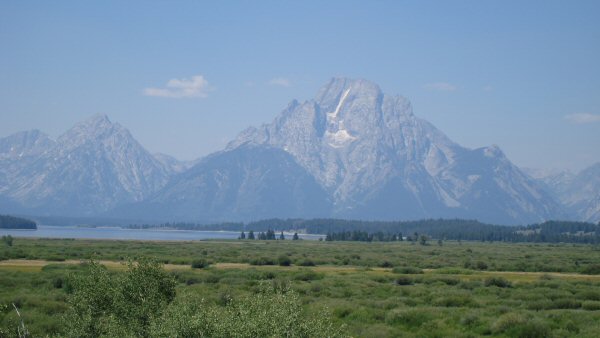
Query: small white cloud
<point>280,81</point>
<point>487,88</point>
<point>582,118</point>
<point>197,86</point>
<point>441,86</point>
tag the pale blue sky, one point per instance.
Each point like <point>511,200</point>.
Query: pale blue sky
<point>524,75</point>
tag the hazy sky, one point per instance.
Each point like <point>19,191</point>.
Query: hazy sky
<point>186,77</point>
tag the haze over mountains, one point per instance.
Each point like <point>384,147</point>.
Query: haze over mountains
<point>352,152</point>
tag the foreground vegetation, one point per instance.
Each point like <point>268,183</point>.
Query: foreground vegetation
<point>380,289</point>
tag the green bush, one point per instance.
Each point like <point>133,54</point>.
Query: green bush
<point>268,313</point>
<point>453,301</point>
<point>409,270</point>
<point>444,279</point>
<point>262,261</point>
<point>591,305</point>
<point>566,303</point>
<point>200,263</point>
<point>404,281</point>
<point>306,262</point>
<point>480,265</point>
<point>118,305</point>
<point>515,325</point>
<point>497,281</point>
<point>386,264</point>
<point>593,269</point>
<point>58,283</point>
<point>307,275</point>
<point>284,260</point>
<point>409,318</point>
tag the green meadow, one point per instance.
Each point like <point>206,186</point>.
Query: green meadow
<point>391,289</point>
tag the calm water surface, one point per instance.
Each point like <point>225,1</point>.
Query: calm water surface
<point>44,231</point>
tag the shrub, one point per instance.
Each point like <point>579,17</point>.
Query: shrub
<point>118,305</point>
<point>307,276</point>
<point>306,262</point>
<point>446,280</point>
<point>55,258</point>
<point>593,269</point>
<point>386,264</point>
<point>284,260</point>
<point>200,263</point>
<point>589,295</point>
<point>212,279</point>
<point>404,281</point>
<point>591,305</point>
<point>515,325</point>
<point>268,313</point>
<point>480,265</point>
<point>262,261</point>
<point>57,283</point>
<point>456,300</point>
<point>566,303</point>
<point>497,281</point>
<point>409,318</point>
<point>409,270</point>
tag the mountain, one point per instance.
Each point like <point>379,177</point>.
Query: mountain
<point>377,160</point>
<point>351,152</point>
<point>580,193</point>
<point>17,151</point>
<point>172,164</point>
<point>93,167</point>
<point>25,144</point>
<point>245,183</point>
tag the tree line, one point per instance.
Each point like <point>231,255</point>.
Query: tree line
<point>451,229</point>
<point>269,235</point>
<point>11,222</point>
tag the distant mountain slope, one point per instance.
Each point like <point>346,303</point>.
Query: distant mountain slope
<point>246,183</point>
<point>93,167</point>
<point>19,150</point>
<point>25,144</point>
<point>579,193</point>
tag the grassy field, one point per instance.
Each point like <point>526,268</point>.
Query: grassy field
<point>395,289</point>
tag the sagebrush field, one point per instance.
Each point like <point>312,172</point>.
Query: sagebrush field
<point>396,289</point>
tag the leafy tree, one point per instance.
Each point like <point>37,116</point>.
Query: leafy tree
<point>243,235</point>
<point>281,237</point>
<point>251,234</point>
<point>272,312</point>
<point>295,238</point>
<point>122,305</point>
<point>423,240</point>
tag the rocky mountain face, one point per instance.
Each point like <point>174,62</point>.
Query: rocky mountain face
<point>352,152</point>
<point>93,167</point>
<point>17,151</point>
<point>579,193</point>
<point>378,160</point>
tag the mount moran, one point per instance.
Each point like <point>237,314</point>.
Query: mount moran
<point>352,152</point>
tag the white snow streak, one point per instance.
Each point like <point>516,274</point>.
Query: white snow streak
<point>339,105</point>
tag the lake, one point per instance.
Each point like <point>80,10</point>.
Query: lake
<point>44,231</point>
